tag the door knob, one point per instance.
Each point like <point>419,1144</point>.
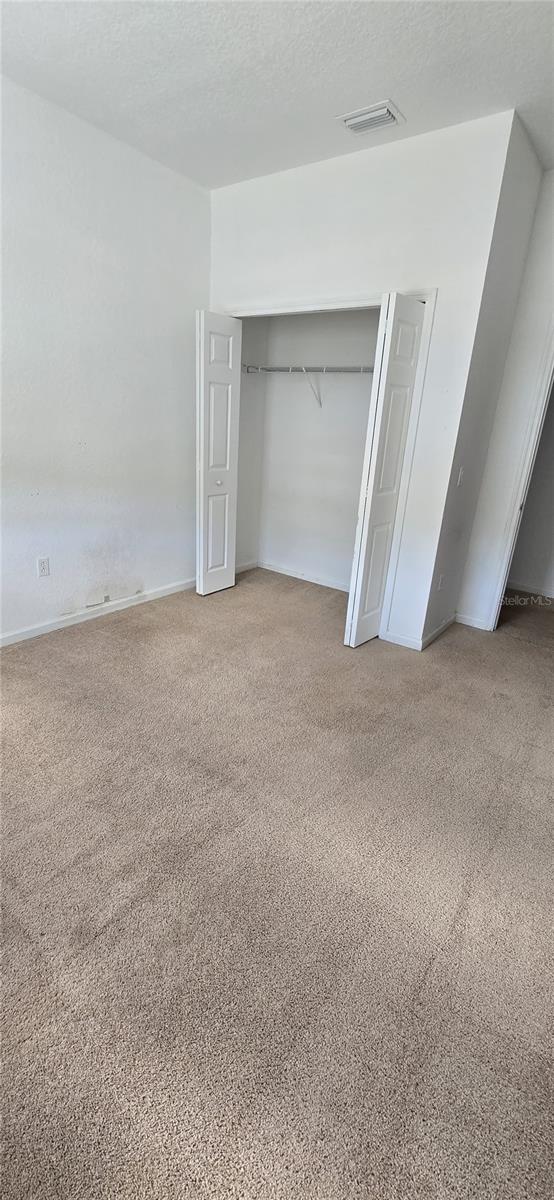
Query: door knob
<point>218,482</point>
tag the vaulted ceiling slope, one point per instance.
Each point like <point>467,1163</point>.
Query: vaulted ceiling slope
<point>227,91</point>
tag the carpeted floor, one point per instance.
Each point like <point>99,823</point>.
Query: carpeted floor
<point>277,912</point>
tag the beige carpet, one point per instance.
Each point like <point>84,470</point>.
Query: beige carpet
<point>277,912</point>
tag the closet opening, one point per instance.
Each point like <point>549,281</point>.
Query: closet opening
<point>301,441</point>
<point>305,423</point>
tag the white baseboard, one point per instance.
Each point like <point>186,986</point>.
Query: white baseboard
<point>435,633</point>
<point>483,623</point>
<point>474,622</point>
<point>100,610</point>
<point>398,639</point>
<point>416,643</point>
<point>320,580</point>
<point>248,566</point>
<point>528,590</point>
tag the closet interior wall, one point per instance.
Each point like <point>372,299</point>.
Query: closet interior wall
<point>300,464</point>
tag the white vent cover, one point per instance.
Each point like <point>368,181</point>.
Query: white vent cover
<point>364,120</point>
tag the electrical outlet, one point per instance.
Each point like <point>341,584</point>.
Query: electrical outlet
<point>440,583</point>
<point>43,567</point>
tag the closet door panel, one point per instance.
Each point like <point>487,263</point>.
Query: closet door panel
<point>399,338</point>
<point>217,444</point>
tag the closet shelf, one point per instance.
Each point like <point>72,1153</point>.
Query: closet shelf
<point>309,370</point>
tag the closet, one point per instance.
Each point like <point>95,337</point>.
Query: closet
<point>302,426</point>
<point>301,441</point>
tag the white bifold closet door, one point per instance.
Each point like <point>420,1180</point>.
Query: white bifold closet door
<point>218,400</point>
<point>218,351</point>
<point>398,343</point>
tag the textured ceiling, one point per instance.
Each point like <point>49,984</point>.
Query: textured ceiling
<point>226,91</point>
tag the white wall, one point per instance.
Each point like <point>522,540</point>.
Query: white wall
<point>519,396</point>
<point>312,456</point>
<point>532,566</point>
<point>514,220</point>
<point>417,214</point>
<point>106,256</point>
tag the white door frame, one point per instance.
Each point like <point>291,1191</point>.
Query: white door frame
<point>543,388</point>
<point>345,304</point>
<point>336,304</point>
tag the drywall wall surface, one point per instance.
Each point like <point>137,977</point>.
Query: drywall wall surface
<point>519,396</point>
<point>512,229</point>
<point>418,214</point>
<point>106,256</point>
<point>533,563</point>
<point>251,442</point>
<point>313,454</point>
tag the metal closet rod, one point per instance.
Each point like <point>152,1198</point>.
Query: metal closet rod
<point>310,370</point>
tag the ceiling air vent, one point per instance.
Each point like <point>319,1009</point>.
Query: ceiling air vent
<point>364,120</point>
